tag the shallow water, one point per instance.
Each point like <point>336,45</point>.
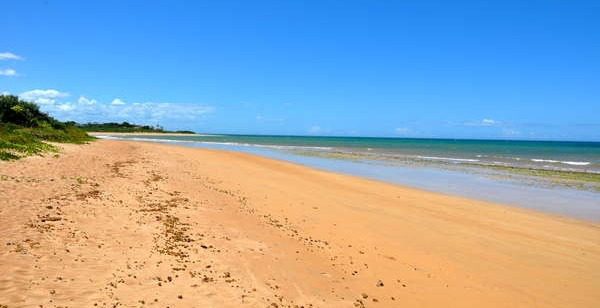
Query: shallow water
<point>552,155</point>
<point>575,203</point>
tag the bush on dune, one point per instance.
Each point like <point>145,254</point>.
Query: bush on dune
<point>18,112</point>
<point>25,130</point>
<point>16,142</point>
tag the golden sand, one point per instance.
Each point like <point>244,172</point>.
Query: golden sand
<point>140,224</point>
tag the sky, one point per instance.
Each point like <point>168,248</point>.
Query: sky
<point>424,69</point>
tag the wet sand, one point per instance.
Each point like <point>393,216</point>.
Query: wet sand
<point>138,134</point>
<point>139,224</point>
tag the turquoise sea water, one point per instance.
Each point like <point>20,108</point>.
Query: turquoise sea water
<point>456,167</point>
<point>557,155</point>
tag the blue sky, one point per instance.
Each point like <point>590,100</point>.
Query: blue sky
<point>458,69</point>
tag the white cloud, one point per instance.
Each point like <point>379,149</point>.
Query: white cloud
<point>508,132</point>
<point>9,56</point>
<point>483,122</point>
<point>86,101</point>
<point>8,72</point>
<point>4,93</point>
<point>43,97</point>
<point>117,102</point>
<point>489,122</point>
<point>65,107</point>
<point>151,112</point>
<point>86,109</point>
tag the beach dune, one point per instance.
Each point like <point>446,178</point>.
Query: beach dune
<point>119,223</point>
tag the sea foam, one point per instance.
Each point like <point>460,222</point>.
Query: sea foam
<point>573,163</point>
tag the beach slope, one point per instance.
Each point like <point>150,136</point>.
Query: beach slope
<point>115,223</point>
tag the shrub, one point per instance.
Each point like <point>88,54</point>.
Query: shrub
<point>25,130</point>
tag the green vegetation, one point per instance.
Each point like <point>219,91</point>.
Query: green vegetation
<point>126,127</point>
<point>25,130</point>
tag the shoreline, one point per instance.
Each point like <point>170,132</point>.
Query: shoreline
<point>554,172</point>
<point>564,196</point>
<point>583,180</point>
<point>96,134</point>
<point>110,217</point>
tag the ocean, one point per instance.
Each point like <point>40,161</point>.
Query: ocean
<point>480,169</point>
<point>552,155</point>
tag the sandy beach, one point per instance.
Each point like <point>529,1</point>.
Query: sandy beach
<point>133,224</point>
<point>138,134</point>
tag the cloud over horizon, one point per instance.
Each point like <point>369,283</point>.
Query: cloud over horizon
<point>86,109</point>
<point>117,101</point>
<point>43,97</point>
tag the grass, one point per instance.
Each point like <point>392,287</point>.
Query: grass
<point>17,142</point>
<point>25,130</point>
